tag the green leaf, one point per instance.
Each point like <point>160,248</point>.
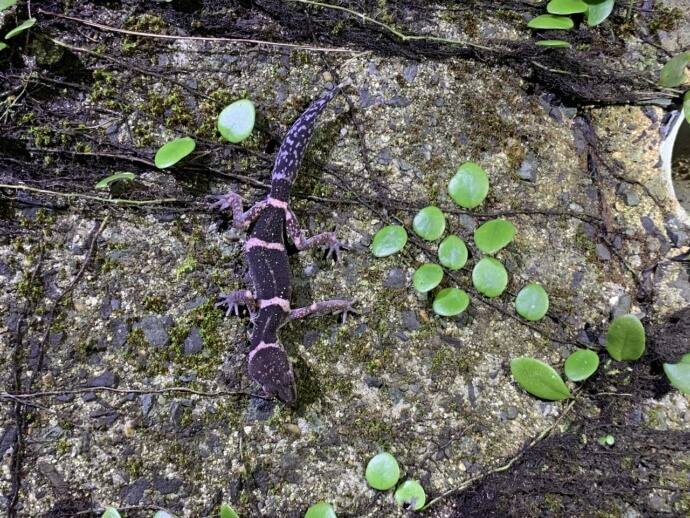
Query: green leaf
<point>410,495</point>
<point>550,21</point>
<point>163,514</point>
<point>236,121</point>
<point>625,338</point>
<point>429,223</point>
<point>553,43</point>
<point>469,186</point>
<point>105,182</point>
<point>679,374</point>
<point>174,151</point>
<point>673,72</point>
<point>606,440</point>
<point>532,302</point>
<point>20,28</point>
<point>450,302</point>
<point>494,235</point>
<point>566,7</point>
<point>3,46</point>
<point>452,253</point>
<point>539,379</point>
<point>388,241</point>
<point>4,4</point>
<point>427,277</point>
<point>581,364</point>
<point>686,106</point>
<point>382,471</point>
<point>598,11</point>
<point>489,277</point>
<point>110,512</point>
<point>320,510</point>
<point>227,512</point>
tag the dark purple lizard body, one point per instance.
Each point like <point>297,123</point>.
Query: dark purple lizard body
<point>269,305</point>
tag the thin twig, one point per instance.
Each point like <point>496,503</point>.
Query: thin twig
<point>196,38</point>
<point>114,201</point>
<point>403,36</point>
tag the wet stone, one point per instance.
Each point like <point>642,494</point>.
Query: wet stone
<point>106,379</point>
<point>384,156</point>
<point>397,101</point>
<point>166,486</point>
<point>260,409</point>
<point>373,381</point>
<point>395,279</point>
<point>193,342</point>
<point>409,320</point>
<point>528,168</point>
<point>154,330</point>
<point>410,72</point>
<point>132,494</point>
<point>603,252</point>
<point>623,306</point>
<point>146,401</point>
<point>118,332</point>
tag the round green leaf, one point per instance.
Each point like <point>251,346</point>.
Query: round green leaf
<point>110,512</point>
<point>581,364</point>
<point>236,121</point>
<point>410,495</point>
<point>539,379</point>
<point>673,72</point>
<point>27,24</point>
<point>469,186</point>
<point>450,302</point>
<point>489,277</point>
<point>494,235</point>
<point>598,11</point>
<point>174,151</point>
<point>679,374</point>
<point>532,302</point>
<point>105,182</point>
<point>320,510</point>
<point>382,471</point>
<point>452,253</point>
<point>686,106</point>
<point>625,338</point>
<point>388,241</point>
<point>227,512</point>
<point>4,4</point>
<point>550,21</point>
<point>566,7</point>
<point>427,277</point>
<point>553,43</point>
<point>163,514</point>
<point>429,223</point>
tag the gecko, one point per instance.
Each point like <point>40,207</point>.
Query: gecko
<point>268,221</point>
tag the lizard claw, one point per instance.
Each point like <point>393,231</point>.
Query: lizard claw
<point>224,201</point>
<point>335,247</point>
<point>234,300</point>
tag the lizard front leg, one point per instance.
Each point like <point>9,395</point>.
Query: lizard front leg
<point>302,242</point>
<point>233,201</point>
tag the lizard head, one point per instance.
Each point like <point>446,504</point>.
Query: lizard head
<point>269,367</point>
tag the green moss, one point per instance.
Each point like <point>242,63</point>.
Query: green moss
<point>155,303</point>
<point>62,446</point>
<point>134,466</point>
<point>187,265</point>
<point>664,19</point>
